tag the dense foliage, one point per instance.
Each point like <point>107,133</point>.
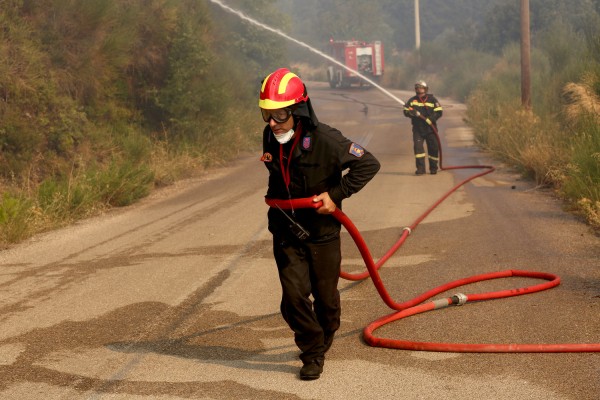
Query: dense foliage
<point>84,76</point>
<point>100,100</point>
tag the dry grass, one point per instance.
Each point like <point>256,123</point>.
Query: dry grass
<point>168,167</point>
<point>581,100</point>
<point>563,153</point>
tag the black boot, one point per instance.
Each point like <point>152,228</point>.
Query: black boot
<point>311,370</point>
<point>433,167</point>
<point>420,162</point>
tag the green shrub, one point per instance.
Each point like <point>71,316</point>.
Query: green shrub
<point>63,200</point>
<point>16,215</point>
<point>581,182</point>
<point>122,183</point>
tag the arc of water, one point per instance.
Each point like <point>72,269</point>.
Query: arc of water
<point>320,53</point>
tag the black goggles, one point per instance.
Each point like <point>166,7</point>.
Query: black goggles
<point>280,115</point>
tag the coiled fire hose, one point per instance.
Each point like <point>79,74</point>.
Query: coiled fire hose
<point>417,305</point>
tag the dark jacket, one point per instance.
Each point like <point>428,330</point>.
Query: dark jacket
<point>316,167</point>
<point>429,107</point>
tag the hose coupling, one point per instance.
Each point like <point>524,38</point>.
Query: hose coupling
<point>459,299</point>
<point>406,228</point>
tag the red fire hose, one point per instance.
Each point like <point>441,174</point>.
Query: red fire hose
<point>416,305</point>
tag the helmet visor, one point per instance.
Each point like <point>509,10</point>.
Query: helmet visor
<point>279,115</point>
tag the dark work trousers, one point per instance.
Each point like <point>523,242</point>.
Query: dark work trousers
<point>305,269</point>
<point>432,150</point>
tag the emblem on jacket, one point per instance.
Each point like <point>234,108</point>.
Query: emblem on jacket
<point>267,157</point>
<point>306,143</point>
<point>356,150</point>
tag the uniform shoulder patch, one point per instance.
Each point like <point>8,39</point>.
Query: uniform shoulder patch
<point>267,157</point>
<point>356,150</point>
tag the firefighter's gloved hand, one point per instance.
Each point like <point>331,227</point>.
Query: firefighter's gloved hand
<point>414,113</point>
<point>428,121</point>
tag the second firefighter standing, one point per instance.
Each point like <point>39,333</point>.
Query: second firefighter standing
<point>424,110</point>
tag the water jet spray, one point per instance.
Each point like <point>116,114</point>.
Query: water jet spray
<point>320,53</point>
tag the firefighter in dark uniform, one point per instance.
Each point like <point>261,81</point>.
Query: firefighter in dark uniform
<point>305,158</point>
<point>424,110</point>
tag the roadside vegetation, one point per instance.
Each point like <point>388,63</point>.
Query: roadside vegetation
<point>103,101</point>
<point>557,142</point>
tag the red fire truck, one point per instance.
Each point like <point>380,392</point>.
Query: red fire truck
<point>364,58</point>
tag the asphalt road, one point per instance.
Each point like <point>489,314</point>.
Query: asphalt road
<point>177,297</point>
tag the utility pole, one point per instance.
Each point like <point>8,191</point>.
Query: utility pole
<point>417,34</point>
<point>525,57</point>
<point>417,27</point>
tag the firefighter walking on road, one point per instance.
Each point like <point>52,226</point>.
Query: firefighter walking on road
<point>424,110</point>
<point>307,158</point>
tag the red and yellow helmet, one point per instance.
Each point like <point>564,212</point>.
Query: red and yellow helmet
<point>280,89</point>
